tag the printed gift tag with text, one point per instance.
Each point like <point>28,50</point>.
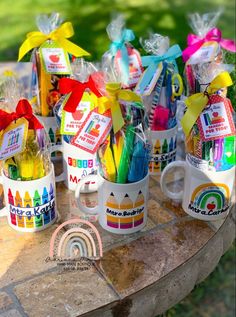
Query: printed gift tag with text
<point>216,121</point>
<point>55,59</point>
<point>13,138</point>
<point>93,131</point>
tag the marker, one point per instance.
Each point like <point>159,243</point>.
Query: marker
<point>108,164</point>
<point>122,173</point>
<point>26,165</point>
<point>39,170</point>
<point>117,146</point>
<point>12,169</point>
<point>164,150</point>
<point>139,163</point>
<point>228,159</point>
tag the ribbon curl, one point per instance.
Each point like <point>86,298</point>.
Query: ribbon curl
<point>152,62</point>
<point>76,88</point>
<point>60,35</point>
<point>115,93</point>
<point>195,42</point>
<point>23,110</point>
<point>197,102</point>
<point>119,45</point>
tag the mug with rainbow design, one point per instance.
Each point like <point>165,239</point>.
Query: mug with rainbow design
<point>206,194</point>
<point>30,205</point>
<point>122,208</point>
<point>164,149</point>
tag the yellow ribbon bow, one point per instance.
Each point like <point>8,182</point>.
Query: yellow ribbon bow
<point>60,35</point>
<point>197,102</point>
<point>115,93</point>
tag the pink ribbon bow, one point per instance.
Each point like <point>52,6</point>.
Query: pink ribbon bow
<point>195,42</point>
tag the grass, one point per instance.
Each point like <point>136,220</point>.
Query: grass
<point>215,297</point>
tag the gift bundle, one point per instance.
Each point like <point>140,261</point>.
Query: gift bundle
<point>122,56</point>
<point>205,47</point>
<point>161,87</point>
<point>27,173</point>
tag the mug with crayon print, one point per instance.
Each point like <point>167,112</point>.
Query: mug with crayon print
<point>164,149</point>
<point>30,205</point>
<point>122,208</point>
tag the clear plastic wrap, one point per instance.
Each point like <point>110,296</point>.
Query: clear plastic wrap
<point>19,126</point>
<point>51,56</point>
<point>125,60</point>
<point>160,85</point>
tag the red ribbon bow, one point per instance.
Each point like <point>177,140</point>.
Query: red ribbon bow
<point>76,88</point>
<point>23,110</point>
<point>195,42</point>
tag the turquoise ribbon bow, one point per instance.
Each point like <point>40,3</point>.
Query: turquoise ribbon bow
<point>127,36</point>
<point>152,62</point>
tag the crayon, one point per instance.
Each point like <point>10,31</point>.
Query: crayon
<point>117,146</point>
<point>45,198</point>
<point>27,200</point>
<point>10,197</point>
<point>38,219</point>
<point>51,194</point>
<point>156,151</point>
<point>13,218</point>
<point>18,199</point>
<point>171,148</point>
<point>164,150</point>
<point>122,172</point>
<point>21,221</point>
<point>11,169</point>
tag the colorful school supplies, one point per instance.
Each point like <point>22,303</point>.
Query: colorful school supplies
<point>209,126</point>
<point>160,81</point>
<point>125,60</point>
<point>23,144</point>
<point>50,59</point>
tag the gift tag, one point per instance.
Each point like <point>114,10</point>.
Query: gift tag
<point>55,58</point>
<point>206,53</point>
<point>13,138</point>
<point>151,85</point>
<point>135,66</point>
<point>72,121</point>
<point>216,121</point>
<point>93,131</point>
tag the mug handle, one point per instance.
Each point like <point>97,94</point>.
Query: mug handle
<point>3,211</point>
<point>59,148</point>
<point>166,191</point>
<point>79,190</point>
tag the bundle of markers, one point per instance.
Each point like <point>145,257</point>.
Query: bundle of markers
<point>124,155</point>
<point>160,84</point>
<point>23,144</point>
<point>51,56</point>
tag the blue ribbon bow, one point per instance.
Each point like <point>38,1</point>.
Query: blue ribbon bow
<point>127,36</point>
<point>152,62</point>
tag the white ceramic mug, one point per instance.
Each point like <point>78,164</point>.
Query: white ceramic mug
<point>76,165</point>
<point>122,208</point>
<point>164,149</point>
<point>30,205</point>
<point>53,133</point>
<point>206,194</point>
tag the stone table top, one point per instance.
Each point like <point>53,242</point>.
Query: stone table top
<point>142,274</point>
